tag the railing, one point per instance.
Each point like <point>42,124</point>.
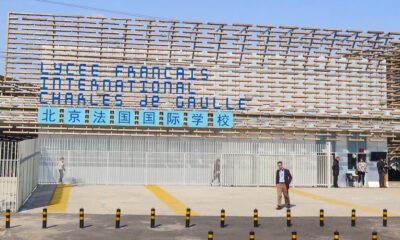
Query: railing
<point>115,160</point>
<point>8,175</point>
<point>28,178</point>
<point>163,161</point>
<point>19,173</point>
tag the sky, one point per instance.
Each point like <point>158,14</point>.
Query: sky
<point>383,15</point>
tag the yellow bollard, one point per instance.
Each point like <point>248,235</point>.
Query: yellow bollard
<point>255,218</point>
<point>222,219</point>
<point>118,218</point>
<point>353,218</point>
<point>152,218</point>
<point>385,217</point>
<point>81,218</point>
<point>336,235</point>
<point>8,218</point>
<point>44,218</point>
<point>288,218</point>
<point>210,235</point>
<point>187,224</point>
<point>374,235</point>
<point>252,236</point>
<point>321,218</point>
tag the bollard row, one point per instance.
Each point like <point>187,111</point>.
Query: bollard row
<point>210,233</point>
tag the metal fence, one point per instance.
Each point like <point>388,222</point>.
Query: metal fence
<point>172,161</point>
<point>148,160</point>
<point>19,165</point>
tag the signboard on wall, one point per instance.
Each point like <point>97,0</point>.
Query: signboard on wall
<point>90,99</point>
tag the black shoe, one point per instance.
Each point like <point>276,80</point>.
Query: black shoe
<point>278,208</point>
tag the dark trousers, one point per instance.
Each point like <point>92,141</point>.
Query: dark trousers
<point>60,180</point>
<point>335,179</point>
<point>381,179</point>
<point>361,177</point>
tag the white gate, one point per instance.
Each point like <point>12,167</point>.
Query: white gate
<point>19,166</point>
<point>174,161</point>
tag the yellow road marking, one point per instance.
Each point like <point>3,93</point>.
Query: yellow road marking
<point>177,206</point>
<point>59,200</point>
<point>342,203</point>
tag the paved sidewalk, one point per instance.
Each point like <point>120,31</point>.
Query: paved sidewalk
<point>237,201</point>
<point>101,202</point>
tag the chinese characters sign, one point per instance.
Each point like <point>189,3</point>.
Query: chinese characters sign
<point>126,117</point>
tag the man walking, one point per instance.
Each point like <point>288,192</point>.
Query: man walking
<point>61,169</point>
<point>283,180</point>
<point>217,172</point>
<point>382,169</point>
<point>335,171</point>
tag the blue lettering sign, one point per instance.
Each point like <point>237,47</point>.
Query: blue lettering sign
<point>173,119</point>
<point>197,119</point>
<point>74,116</point>
<point>99,116</point>
<point>124,117</point>
<point>49,115</point>
<point>149,118</point>
<point>223,120</point>
<point>80,84</point>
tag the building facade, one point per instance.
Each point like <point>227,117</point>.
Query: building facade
<point>70,75</point>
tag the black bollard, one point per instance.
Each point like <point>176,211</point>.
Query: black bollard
<point>321,218</point>
<point>288,218</point>
<point>222,218</point>
<point>294,235</point>
<point>353,218</point>
<point>255,218</point>
<point>187,224</point>
<point>44,218</point>
<point>118,218</point>
<point>336,235</point>
<point>210,235</point>
<point>252,236</point>
<point>8,218</point>
<point>81,218</point>
<point>374,235</point>
<point>153,218</point>
<point>385,217</point>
